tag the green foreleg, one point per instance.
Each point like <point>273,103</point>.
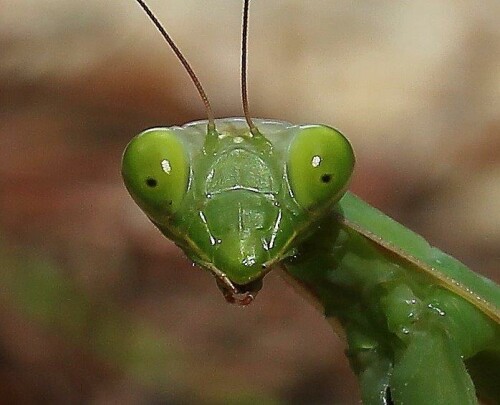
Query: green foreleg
<point>373,376</point>
<point>430,370</point>
<point>372,365</point>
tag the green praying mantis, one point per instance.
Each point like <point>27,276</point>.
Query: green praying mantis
<point>241,196</point>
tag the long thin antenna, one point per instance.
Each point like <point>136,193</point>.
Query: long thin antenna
<point>244,54</point>
<point>185,63</point>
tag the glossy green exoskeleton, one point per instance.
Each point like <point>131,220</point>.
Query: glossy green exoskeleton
<point>243,196</point>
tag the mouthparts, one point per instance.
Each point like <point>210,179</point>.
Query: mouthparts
<point>239,294</point>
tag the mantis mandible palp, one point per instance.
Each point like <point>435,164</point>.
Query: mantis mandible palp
<point>242,196</point>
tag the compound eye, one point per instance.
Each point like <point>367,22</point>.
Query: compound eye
<point>155,169</point>
<point>319,166</point>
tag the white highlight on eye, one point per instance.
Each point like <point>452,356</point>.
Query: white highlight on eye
<point>316,161</point>
<point>165,165</point>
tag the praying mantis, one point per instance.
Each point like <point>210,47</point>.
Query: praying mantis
<point>242,196</point>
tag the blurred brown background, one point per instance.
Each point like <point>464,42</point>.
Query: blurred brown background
<point>95,306</point>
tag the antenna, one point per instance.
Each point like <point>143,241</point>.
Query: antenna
<point>185,63</point>
<point>244,54</point>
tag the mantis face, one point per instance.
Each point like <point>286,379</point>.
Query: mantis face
<point>236,202</point>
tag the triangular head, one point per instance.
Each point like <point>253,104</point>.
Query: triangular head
<point>237,202</point>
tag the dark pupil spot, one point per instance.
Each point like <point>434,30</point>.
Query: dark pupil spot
<point>151,182</point>
<point>326,178</point>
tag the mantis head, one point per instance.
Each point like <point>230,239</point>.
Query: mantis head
<point>237,202</point>
<point>236,194</point>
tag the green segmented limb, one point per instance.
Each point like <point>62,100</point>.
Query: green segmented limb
<point>403,325</point>
<point>241,196</point>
